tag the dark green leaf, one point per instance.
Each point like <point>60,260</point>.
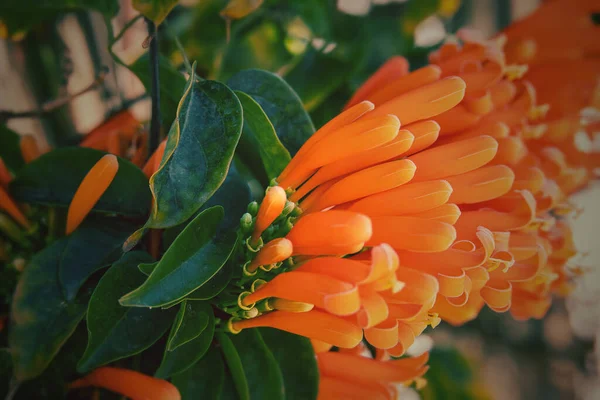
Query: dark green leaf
<point>115,331</point>
<point>229,391</point>
<point>190,322</point>
<point>10,150</point>
<point>147,268</point>
<point>172,84</point>
<point>53,179</point>
<point>206,376</point>
<point>184,356</point>
<point>198,153</point>
<point>297,362</point>
<point>205,292</point>
<point>264,377</point>
<point>191,261</point>
<point>234,363</point>
<point>156,10</point>
<point>281,104</point>
<point>94,245</point>
<point>233,196</point>
<point>53,382</point>
<point>41,319</point>
<point>259,141</point>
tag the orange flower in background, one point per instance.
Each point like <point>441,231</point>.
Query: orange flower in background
<point>132,384</point>
<point>354,376</point>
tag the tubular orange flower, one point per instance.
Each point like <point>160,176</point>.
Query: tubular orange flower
<point>154,161</point>
<point>332,295</point>
<point>93,185</point>
<point>29,148</point>
<point>5,176</point>
<point>392,69</point>
<point>352,376</point>
<point>132,384</point>
<point>8,204</point>
<point>122,123</point>
<point>313,324</point>
<point>273,252</point>
<point>330,233</point>
<point>269,210</point>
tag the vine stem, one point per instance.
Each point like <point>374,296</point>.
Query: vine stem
<point>155,91</point>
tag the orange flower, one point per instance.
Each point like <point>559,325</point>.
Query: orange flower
<point>132,384</point>
<point>269,210</point>
<point>353,376</point>
<point>93,185</point>
<point>8,204</point>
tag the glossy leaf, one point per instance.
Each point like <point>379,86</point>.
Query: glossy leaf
<point>10,150</point>
<point>259,143</point>
<point>190,322</point>
<point>156,10</point>
<point>147,268</point>
<point>281,104</point>
<point>210,289</point>
<point>233,196</point>
<point>94,245</point>
<point>114,331</point>
<point>184,356</point>
<point>264,377</point>
<point>199,151</point>
<point>53,179</point>
<point>41,319</point>
<point>235,366</point>
<point>172,84</point>
<point>191,261</point>
<point>296,359</point>
<point>205,376</point>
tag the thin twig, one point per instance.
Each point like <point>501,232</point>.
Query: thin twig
<point>53,104</point>
<point>155,92</point>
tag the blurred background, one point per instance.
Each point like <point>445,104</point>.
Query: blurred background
<point>66,57</point>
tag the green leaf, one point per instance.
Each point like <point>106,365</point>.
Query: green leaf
<point>259,141</point>
<point>184,356</point>
<point>191,261</point>
<point>41,319</point>
<point>115,332</point>
<point>233,196</point>
<point>210,289</point>
<point>53,179</point>
<point>264,377</point>
<point>190,322</point>
<point>156,10</point>
<point>147,268</point>
<point>296,359</point>
<point>198,153</point>
<point>94,245</point>
<point>281,104</point>
<point>234,363</point>
<point>172,84</point>
<point>229,391</point>
<point>10,149</point>
<point>205,376</point>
